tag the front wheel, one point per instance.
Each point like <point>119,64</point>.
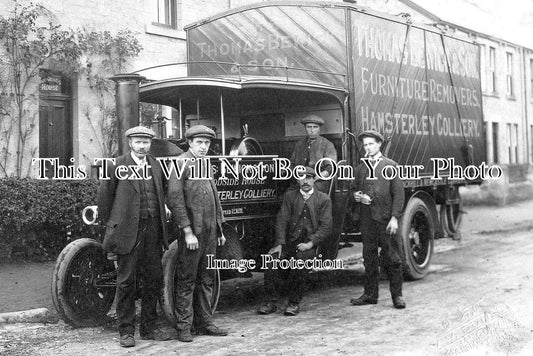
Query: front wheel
<point>83,283</point>
<point>168,297</point>
<point>417,230</point>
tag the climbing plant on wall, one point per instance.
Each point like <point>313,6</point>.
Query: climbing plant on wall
<point>29,40</point>
<point>104,55</point>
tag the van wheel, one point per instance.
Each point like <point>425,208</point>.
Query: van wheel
<point>83,283</point>
<point>417,230</point>
<point>168,297</point>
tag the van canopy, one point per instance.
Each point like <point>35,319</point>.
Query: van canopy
<point>272,107</point>
<point>248,92</point>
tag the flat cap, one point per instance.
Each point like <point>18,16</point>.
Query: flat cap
<point>312,119</point>
<point>371,133</point>
<point>309,172</point>
<point>200,131</point>
<point>140,131</point>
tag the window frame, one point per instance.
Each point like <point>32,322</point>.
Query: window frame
<point>169,13</point>
<point>173,29</point>
<point>495,141</point>
<point>491,70</point>
<point>509,84</point>
<point>531,78</point>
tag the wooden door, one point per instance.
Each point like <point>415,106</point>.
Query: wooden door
<point>55,132</point>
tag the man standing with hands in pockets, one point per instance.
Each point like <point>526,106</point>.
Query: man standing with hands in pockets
<point>379,203</point>
<point>197,212</point>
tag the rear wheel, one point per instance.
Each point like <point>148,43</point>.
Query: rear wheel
<point>417,231</point>
<point>83,283</point>
<point>168,297</point>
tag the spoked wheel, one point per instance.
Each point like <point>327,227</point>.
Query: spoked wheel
<point>83,283</point>
<point>417,232</point>
<point>170,275</point>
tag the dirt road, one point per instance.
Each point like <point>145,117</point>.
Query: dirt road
<point>477,298</point>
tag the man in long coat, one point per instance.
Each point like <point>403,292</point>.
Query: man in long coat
<point>133,211</point>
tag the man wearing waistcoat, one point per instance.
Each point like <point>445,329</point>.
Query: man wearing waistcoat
<point>197,212</point>
<point>378,205</point>
<point>308,151</point>
<point>303,222</point>
<point>133,211</point>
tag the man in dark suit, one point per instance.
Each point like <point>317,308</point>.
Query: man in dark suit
<point>309,150</point>
<point>379,203</point>
<point>197,212</point>
<point>303,222</point>
<point>133,211</point>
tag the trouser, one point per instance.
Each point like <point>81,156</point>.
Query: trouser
<point>145,256</point>
<point>195,282</point>
<point>294,278</point>
<point>375,235</point>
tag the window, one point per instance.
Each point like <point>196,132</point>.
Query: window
<point>531,143</point>
<point>166,13</point>
<point>165,18</point>
<point>509,143</point>
<point>509,74</point>
<point>483,66</point>
<point>491,74</point>
<point>495,141</point>
<point>515,142</point>
<point>531,77</point>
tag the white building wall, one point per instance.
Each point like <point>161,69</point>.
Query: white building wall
<point>162,46</point>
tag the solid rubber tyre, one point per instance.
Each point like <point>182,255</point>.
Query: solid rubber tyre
<point>168,300</point>
<point>417,230</point>
<point>77,300</point>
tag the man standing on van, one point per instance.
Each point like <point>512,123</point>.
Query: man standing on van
<point>309,150</point>
<point>133,211</point>
<point>379,204</point>
<point>197,212</point>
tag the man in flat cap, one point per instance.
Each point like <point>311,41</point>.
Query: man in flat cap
<point>133,211</point>
<point>303,222</point>
<point>309,150</point>
<point>197,212</point>
<point>378,205</point>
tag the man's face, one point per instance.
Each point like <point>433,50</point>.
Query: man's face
<point>371,145</point>
<point>306,183</point>
<point>140,146</point>
<point>199,146</point>
<point>313,130</point>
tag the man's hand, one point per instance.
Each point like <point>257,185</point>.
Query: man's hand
<point>221,240</point>
<point>190,239</point>
<point>304,246</point>
<point>274,250</point>
<point>392,227</point>
<point>358,196</point>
